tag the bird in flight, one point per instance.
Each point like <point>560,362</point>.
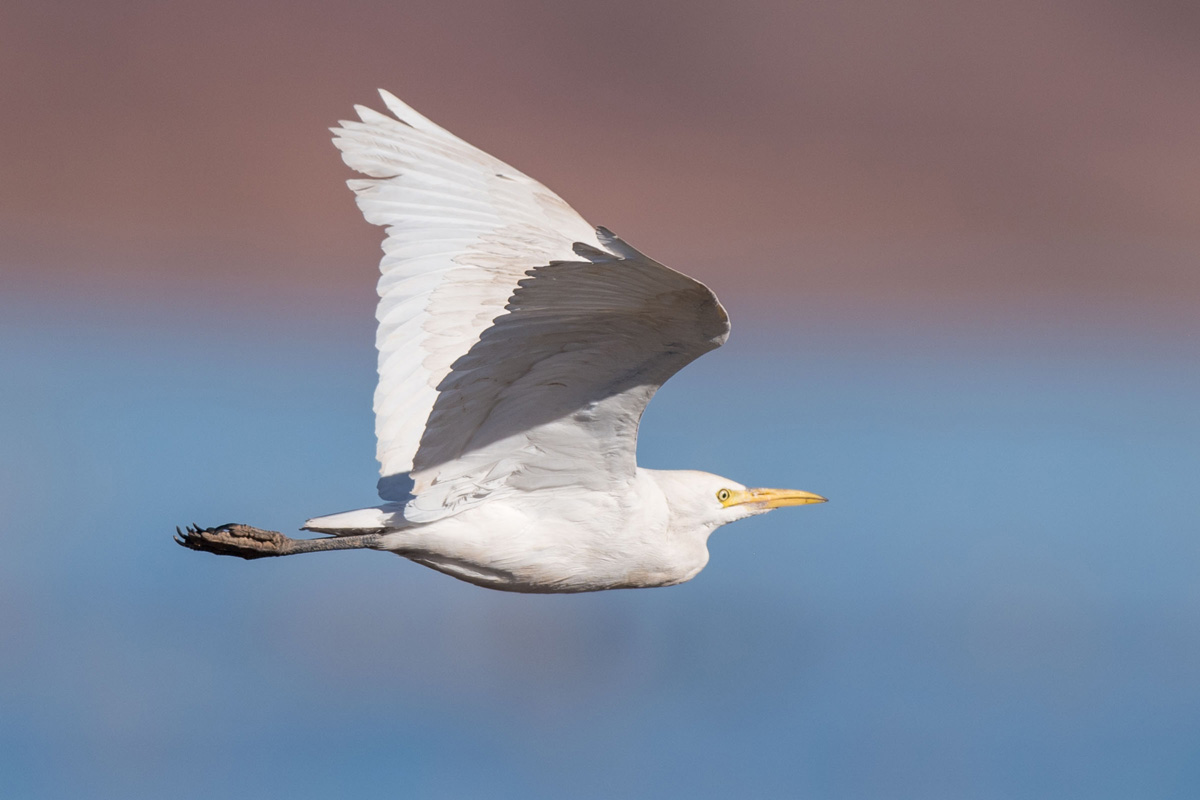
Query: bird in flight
<point>518,348</point>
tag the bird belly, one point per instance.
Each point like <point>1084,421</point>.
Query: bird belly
<point>506,550</point>
<point>545,579</point>
<point>540,580</point>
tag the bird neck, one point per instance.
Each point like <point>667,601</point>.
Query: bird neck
<point>687,500</point>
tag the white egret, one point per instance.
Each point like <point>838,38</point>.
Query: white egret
<point>518,347</point>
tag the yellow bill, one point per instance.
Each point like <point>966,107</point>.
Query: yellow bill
<point>772,498</point>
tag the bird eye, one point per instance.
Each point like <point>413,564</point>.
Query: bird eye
<point>723,495</point>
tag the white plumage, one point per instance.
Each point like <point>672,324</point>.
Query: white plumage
<point>518,347</point>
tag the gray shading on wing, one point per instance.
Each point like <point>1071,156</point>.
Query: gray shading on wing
<point>552,392</point>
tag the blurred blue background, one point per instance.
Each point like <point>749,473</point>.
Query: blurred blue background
<point>1000,600</point>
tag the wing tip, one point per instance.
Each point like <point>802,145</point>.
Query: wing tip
<point>408,115</point>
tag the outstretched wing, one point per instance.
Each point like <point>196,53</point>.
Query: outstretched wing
<point>517,345</point>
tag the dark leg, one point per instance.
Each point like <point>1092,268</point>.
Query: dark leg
<point>247,542</point>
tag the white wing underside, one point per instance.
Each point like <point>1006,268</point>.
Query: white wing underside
<point>518,346</point>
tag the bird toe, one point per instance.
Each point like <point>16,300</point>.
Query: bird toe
<point>232,539</point>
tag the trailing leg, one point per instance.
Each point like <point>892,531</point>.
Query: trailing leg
<point>245,541</point>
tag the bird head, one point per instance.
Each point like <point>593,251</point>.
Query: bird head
<point>704,500</point>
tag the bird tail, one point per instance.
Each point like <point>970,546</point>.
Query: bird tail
<point>376,519</point>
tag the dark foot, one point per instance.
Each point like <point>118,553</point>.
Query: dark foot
<point>242,541</point>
